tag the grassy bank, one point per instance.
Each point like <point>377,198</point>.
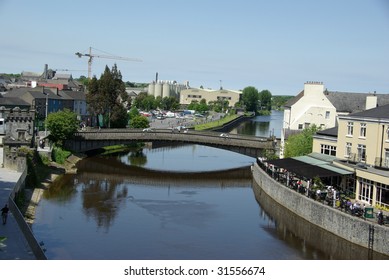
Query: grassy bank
<point>217,123</point>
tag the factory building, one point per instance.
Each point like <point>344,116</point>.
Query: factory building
<point>188,95</point>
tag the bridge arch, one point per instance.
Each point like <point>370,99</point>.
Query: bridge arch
<point>252,146</point>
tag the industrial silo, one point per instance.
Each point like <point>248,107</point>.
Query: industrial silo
<point>151,89</point>
<point>166,90</point>
<point>158,90</point>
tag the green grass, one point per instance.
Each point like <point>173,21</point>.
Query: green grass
<point>217,123</point>
<point>59,155</point>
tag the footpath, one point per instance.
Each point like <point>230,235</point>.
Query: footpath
<point>15,247</point>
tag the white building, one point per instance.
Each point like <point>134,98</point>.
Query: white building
<point>316,105</point>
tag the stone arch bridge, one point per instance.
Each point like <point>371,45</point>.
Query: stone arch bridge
<point>84,141</point>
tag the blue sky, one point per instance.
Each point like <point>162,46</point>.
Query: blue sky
<point>276,45</point>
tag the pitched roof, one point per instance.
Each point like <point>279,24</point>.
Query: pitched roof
<point>333,131</point>
<point>294,100</point>
<point>76,95</point>
<point>13,101</point>
<point>352,102</point>
<point>380,112</point>
<point>347,102</point>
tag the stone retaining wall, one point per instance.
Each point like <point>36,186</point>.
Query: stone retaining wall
<point>353,229</point>
<point>24,227</point>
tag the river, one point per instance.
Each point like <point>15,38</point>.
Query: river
<point>176,202</point>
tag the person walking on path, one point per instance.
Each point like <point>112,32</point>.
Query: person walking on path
<point>4,213</point>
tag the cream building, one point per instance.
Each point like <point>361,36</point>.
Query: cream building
<point>361,144</point>
<point>316,105</point>
<point>191,94</point>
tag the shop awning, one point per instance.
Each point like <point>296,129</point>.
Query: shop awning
<point>309,167</point>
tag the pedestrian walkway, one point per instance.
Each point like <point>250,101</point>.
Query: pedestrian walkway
<point>15,247</point>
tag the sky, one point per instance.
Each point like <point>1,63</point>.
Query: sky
<point>275,45</point>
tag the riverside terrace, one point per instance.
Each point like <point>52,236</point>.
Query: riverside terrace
<point>84,141</point>
<point>298,175</point>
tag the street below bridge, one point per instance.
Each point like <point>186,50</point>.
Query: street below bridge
<point>187,121</point>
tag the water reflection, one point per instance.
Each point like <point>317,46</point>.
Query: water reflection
<point>262,126</point>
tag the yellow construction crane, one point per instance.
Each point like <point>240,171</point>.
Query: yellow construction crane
<point>91,56</point>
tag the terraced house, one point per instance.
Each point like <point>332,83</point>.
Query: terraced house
<point>360,144</point>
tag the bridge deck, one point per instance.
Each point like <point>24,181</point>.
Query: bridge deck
<point>93,139</point>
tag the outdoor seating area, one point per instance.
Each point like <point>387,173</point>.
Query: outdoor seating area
<point>321,185</point>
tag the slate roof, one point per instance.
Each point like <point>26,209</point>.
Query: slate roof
<point>76,95</point>
<point>13,102</point>
<point>333,131</point>
<point>380,112</point>
<point>345,102</point>
<point>351,102</point>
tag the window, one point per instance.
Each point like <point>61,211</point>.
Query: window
<point>361,152</point>
<point>347,153</point>
<point>382,197</point>
<point>300,126</point>
<point>366,190</point>
<point>350,128</point>
<point>386,160</point>
<point>363,130</point>
<point>387,134</point>
<point>327,115</point>
<point>328,150</point>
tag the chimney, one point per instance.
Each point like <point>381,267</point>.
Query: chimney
<point>156,78</point>
<point>45,71</point>
<point>371,102</point>
<point>313,89</point>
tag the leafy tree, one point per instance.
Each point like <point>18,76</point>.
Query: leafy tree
<point>62,125</point>
<point>300,144</point>
<point>105,94</point>
<point>169,103</point>
<point>139,122</point>
<point>278,101</point>
<point>250,97</point>
<point>119,117</point>
<point>219,105</point>
<point>265,98</point>
<point>193,105</point>
<point>198,106</point>
<point>133,112</point>
<point>83,80</point>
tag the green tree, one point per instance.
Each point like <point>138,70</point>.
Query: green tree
<point>134,112</point>
<point>250,98</point>
<point>300,144</point>
<point>105,94</point>
<point>169,103</point>
<point>193,105</point>
<point>62,125</point>
<point>265,98</point>
<point>119,117</point>
<point>83,80</point>
<point>139,122</point>
<point>278,101</point>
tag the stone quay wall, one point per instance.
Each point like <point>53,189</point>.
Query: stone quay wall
<point>353,229</point>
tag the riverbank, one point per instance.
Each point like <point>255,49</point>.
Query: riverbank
<point>356,230</point>
<point>32,196</point>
